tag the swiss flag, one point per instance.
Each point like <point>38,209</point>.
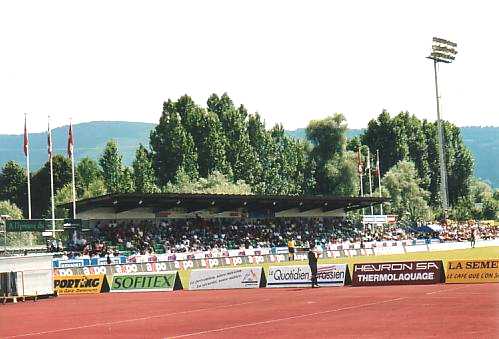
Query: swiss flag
<point>49,141</point>
<point>360,168</point>
<point>70,140</point>
<point>26,139</point>
<point>378,168</point>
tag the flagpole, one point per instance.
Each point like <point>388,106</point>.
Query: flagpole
<point>370,179</point>
<point>378,169</point>
<point>51,177</point>
<point>360,170</point>
<point>71,148</point>
<point>26,148</point>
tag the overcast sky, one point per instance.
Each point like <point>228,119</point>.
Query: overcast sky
<point>292,61</point>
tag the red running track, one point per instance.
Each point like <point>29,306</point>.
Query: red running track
<point>451,311</point>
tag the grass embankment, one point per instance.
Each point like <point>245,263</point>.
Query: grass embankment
<point>470,253</point>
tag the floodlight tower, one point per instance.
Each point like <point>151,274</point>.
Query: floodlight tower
<point>442,51</point>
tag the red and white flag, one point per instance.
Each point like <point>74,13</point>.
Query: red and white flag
<point>26,139</point>
<point>360,168</point>
<point>70,140</point>
<point>378,168</point>
<point>49,141</point>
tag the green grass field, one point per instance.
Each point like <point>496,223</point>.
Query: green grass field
<point>470,253</point>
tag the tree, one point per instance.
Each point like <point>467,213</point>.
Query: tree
<point>87,171</point>
<point>172,147</point>
<point>13,182</point>
<point>407,198</point>
<point>215,183</point>
<point>464,209</point>
<point>111,163</point>
<point>212,155</point>
<point>10,209</point>
<point>144,177</point>
<point>341,175</point>
<point>328,136</point>
<point>380,134</point>
<point>335,170</point>
<point>490,209</point>
<point>63,196</point>
<point>240,155</point>
<point>40,184</point>
<point>95,189</point>
<point>126,184</point>
<point>405,137</point>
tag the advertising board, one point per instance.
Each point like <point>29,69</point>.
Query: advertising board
<point>299,276</point>
<point>223,278</point>
<point>163,266</point>
<point>398,273</point>
<point>145,282</point>
<point>472,271</point>
<point>79,284</point>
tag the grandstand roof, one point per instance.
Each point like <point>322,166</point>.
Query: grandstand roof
<point>182,205</point>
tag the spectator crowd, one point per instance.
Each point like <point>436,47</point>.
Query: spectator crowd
<point>147,237</point>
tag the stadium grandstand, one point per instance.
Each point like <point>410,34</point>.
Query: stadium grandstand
<point>163,223</point>
<point>150,224</point>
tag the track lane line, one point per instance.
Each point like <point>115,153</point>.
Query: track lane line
<point>110,323</point>
<point>284,319</point>
<point>448,289</point>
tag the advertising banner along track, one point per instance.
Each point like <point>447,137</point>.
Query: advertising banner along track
<point>145,282</point>
<point>472,271</point>
<point>80,284</point>
<point>299,276</point>
<point>398,273</point>
<point>164,266</point>
<point>224,278</point>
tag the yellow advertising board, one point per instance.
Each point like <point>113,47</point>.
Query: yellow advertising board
<point>472,271</point>
<point>78,284</point>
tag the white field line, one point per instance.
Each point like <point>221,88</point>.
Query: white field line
<point>286,318</point>
<point>448,290</point>
<point>110,323</point>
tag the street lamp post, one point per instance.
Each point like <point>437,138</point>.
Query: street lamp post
<point>442,51</point>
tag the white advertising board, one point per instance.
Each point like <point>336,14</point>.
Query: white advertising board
<point>224,278</point>
<point>299,276</point>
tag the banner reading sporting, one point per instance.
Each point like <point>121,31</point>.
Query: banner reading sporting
<point>299,276</point>
<point>79,284</point>
<point>398,273</point>
<point>144,282</point>
<point>222,278</point>
<point>472,271</point>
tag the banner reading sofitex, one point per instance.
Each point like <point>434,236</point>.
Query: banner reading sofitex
<point>472,271</point>
<point>223,278</point>
<point>299,276</point>
<point>145,282</point>
<point>80,284</point>
<point>398,273</point>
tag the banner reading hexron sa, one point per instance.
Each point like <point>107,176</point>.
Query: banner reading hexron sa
<point>398,273</point>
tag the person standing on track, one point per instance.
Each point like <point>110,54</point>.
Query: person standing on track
<point>312,262</point>
<point>291,250</point>
<point>472,238</point>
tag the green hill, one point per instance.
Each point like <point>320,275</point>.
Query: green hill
<point>90,140</point>
<point>91,137</point>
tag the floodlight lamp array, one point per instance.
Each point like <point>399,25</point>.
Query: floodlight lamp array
<point>443,50</point>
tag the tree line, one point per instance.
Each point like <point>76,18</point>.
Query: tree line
<point>222,148</point>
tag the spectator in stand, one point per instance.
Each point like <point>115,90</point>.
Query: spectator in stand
<point>291,250</point>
